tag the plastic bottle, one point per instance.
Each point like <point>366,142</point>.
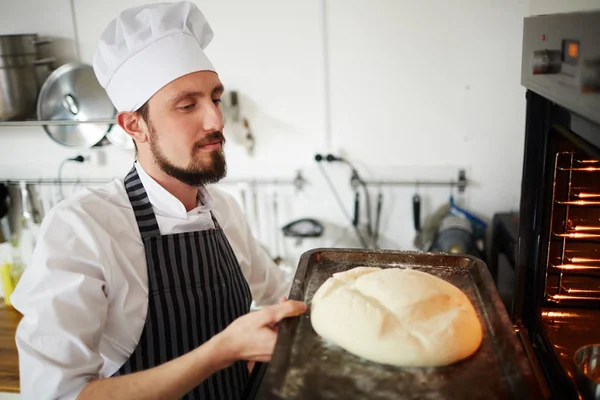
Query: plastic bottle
<point>7,281</point>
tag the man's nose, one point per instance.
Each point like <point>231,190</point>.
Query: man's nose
<point>213,118</point>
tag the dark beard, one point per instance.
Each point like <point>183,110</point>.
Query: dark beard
<point>195,174</point>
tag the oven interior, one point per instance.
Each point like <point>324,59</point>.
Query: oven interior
<point>570,310</point>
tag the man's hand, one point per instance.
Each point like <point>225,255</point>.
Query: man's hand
<point>252,363</point>
<point>252,337</point>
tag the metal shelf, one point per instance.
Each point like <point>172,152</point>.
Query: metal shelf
<point>298,181</point>
<point>461,183</point>
<point>35,122</point>
<point>416,182</point>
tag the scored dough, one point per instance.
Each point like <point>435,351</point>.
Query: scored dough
<point>401,317</point>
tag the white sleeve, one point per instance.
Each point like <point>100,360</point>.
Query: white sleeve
<point>266,280</point>
<point>62,298</point>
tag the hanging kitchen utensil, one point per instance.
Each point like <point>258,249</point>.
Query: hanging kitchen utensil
<point>46,194</point>
<point>429,229</point>
<point>244,199</point>
<point>277,259</point>
<point>355,219</point>
<point>250,139</point>
<point>15,210</point>
<point>72,92</point>
<point>378,217</point>
<point>303,228</point>
<point>3,200</point>
<point>235,107</point>
<point>256,213</point>
<point>26,213</point>
<point>416,207</point>
<point>29,229</point>
<point>4,228</point>
<point>4,232</point>
<point>37,207</point>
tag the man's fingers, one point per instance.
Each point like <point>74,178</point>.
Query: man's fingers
<point>282,299</point>
<point>277,312</point>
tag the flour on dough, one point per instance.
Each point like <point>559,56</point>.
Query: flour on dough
<point>396,316</point>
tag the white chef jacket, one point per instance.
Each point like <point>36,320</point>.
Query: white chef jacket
<point>84,295</point>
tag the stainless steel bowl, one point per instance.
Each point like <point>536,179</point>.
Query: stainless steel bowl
<point>587,362</point>
<point>18,84</point>
<point>19,44</point>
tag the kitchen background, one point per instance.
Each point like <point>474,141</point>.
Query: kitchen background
<point>405,90</point>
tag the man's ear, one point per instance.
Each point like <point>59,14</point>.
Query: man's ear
<point>134,125</point>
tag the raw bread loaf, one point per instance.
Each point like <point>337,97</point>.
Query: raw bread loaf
<point>396,316</point>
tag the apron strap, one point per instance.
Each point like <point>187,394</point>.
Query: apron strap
<point>212,216</point>
<point>144,214</point>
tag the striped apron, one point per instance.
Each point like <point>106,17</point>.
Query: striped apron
<point>195,289</point>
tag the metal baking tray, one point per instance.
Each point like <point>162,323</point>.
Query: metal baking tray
<point>305,366</point>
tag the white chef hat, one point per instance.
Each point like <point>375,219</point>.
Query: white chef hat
<point>148,46</point>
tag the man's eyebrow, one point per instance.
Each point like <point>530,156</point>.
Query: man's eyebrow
<point>219,89</point>
<point>183,95</point>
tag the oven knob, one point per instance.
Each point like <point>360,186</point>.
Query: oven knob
<point>545,62</point>
<point>589,76</point>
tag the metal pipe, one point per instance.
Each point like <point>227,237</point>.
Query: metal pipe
<point>412,183</point>
<point>55,122</point>
<point>105,181</point>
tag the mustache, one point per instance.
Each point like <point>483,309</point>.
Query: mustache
<point>210,138</point>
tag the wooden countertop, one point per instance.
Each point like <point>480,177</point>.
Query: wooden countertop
<point>9,359</point>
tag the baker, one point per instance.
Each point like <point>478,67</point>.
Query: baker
<point>142,289</point>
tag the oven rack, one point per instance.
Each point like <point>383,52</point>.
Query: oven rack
<point>562,284</point>
<point>575,236</point>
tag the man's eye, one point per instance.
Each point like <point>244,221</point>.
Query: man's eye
<point>187,107</point>
<point>217,101</point>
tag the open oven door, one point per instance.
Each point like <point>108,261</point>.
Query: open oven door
<point>556,309</point>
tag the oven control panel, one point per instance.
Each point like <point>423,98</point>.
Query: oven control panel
<point>561,60</point>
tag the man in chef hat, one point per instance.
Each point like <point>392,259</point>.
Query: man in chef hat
<point>141,289</point>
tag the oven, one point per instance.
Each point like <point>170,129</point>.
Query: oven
<point>556,309</point>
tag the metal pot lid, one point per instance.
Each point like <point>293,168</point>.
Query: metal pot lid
<point>120,138</point>
<point>72,92</point>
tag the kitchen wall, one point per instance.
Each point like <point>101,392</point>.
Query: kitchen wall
<point>404,89</point>
<point>540,7</point>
